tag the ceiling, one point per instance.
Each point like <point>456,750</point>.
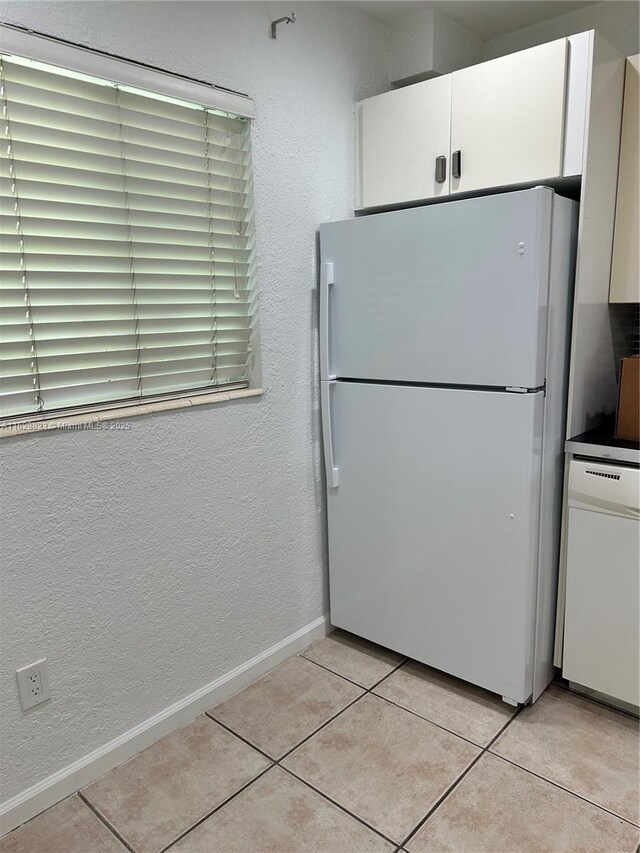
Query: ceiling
<point>487,18</point>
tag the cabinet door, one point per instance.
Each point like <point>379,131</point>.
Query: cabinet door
<point>401,133</point>
<point>507,118</point>
<point>625,270</point>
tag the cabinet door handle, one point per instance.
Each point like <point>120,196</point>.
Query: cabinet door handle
<point>441,169</point>
<point>456,166</point>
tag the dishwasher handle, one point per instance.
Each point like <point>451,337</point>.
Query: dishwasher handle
<point>603,487</point>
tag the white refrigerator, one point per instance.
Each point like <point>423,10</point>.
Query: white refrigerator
<point>444,340</point>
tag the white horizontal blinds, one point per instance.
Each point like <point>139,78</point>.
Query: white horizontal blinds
<point>20,388</point>
<point>126,243</point>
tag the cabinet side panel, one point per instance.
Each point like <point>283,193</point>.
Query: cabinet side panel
<point>358,156</point>
<point>592,382</point>
<point>561,279</point>
<point>625,269</point>
<point>580,48</point>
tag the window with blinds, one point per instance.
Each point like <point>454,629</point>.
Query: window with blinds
<point>127,242</point>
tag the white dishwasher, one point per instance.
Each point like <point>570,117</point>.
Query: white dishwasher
<point>602,631</point>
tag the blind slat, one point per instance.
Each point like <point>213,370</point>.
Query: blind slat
<point>136,249</point>
<point>229,354</point>
<point>123,370</point>
<point>14,297</point>
<point>193,171</point>
<point>169,136</point>
<point>149,204</point>
<point>97,343</point>
<point>224,246</point>
<point>12,261</point>
<point>127,243</point>
<point>224,191</point>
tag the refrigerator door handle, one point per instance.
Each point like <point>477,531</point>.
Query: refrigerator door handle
<point>326,280</point>
<point>326,392</point>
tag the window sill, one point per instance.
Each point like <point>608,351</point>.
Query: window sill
<point>124,413</point>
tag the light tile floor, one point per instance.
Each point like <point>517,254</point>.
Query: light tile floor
<point>348,748</point>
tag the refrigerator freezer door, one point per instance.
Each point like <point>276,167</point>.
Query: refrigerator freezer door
<point>433,528</point>
<point>451,293</point>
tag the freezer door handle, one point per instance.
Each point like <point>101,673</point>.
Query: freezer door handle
<point>326,393</point>
<point>326,280</point>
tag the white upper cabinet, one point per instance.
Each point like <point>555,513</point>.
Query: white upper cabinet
<point>518,119</point>
<point>625,269</point>
<point>401,135</point>
<point>507,119</point>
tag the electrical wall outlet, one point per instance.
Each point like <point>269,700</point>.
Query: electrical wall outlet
<point>33,684</point>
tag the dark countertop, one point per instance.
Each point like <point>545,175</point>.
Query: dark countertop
<point>600,443</point>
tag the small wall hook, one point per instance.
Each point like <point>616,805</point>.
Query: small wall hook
<point>289,19</point>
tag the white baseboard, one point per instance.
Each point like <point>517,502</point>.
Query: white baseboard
<point>56,787</point>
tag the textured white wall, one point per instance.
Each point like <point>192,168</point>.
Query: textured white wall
<point>145,564</point>
<point>616,20</point>
<point>411,49</point>
<point>429,44</point>
<point>454,46</point>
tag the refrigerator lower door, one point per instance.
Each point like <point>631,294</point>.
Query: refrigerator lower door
<point>433,528</point>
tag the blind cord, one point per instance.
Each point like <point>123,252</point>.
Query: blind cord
<point>132,270</point>
<point>236,217</point>
<point>213,297</point>
<point>38,401</point>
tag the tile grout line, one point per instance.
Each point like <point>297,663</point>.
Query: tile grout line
<point>338,805</point>
<point>388,675</point>
<point>319,729</point>
<point>370,690</point>
<point>276,762</point>
<point>326,669</point>
<point>457,781</point>
<point>83,797</point>
<point>442,798</point>
<point>484,749</point>
<point>216,809</point>
<point>115,832</point>
<point>588,698</point>
<point>562,788</point>
<point>293,748</point>
<point>350,680</point>
<point>240,737</point>
<point>273,763</point>
<point>432,723</point>
<point>104,821</point>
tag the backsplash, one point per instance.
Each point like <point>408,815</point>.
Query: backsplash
<point>625,329</point>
